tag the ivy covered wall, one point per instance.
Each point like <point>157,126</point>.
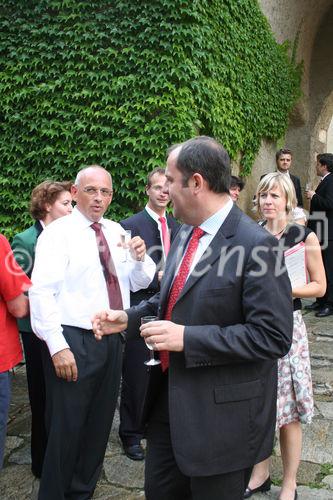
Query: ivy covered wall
<point>116,83</point>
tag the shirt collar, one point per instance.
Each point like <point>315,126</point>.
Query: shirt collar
<point>215,221</point>
<point>323,177</point>
<point>82,220</point>
<point>153,214</point>
<point>283,173</point>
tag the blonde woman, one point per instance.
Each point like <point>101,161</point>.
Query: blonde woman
<point>275,201</point>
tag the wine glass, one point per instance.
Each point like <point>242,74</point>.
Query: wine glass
<point>151,361</point>
<point>125,238</point>
<point>308,186</point>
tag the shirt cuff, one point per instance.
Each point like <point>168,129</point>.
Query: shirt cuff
<point>56,343</point>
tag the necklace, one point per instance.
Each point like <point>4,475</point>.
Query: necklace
<point>277,234</point>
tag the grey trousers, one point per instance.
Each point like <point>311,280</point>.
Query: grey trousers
<point>79,415</point>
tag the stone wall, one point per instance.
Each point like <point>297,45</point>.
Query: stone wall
<point>310,22</point>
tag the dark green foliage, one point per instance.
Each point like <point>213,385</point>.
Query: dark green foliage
<point>116,83</point>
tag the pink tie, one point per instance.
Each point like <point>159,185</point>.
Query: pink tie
<point>179,282</point>
<point>109,270</point>
<point>165,235</point>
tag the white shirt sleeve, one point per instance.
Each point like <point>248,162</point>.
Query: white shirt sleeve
<point>142,273</point>
<point>47,278</point>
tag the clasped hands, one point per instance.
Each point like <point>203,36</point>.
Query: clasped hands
<point>164,335</point>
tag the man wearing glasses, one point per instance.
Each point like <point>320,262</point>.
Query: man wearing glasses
<point>79,268</point>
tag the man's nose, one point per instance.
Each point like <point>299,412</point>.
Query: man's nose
<point>98,194</point>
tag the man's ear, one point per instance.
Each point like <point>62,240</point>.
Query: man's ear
<point>74,192</point>
<point>197,181</point>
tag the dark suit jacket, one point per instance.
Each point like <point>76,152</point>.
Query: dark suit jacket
<point>298,189</point>
<point>321,205</point>
<point>141,224</point>
<point>23,246</point>
<point>297,186</point>
<point>222,387</point>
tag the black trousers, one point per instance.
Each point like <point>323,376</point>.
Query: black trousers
<point>134,381</point>
<point>36,388</point>
<point>164,480</point>
<point>79,415</point>
<point>327,255</point>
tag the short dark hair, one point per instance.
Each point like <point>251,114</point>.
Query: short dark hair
<point>46,193</point>
<point>237,181</point>
<point>326,159</point>
<point>157,170</point>
<point>205,156</point>
<point>283,151</point>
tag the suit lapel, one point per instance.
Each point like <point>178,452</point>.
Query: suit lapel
<point>322,184</point>
<point>39,228</point>
<point>151,220</point>
<point>174,257</point>
<point>221,240</point>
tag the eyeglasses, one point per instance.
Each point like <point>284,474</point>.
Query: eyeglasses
<point>91,191</point>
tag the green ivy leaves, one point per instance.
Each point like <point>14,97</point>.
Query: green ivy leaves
<point>116,83</point>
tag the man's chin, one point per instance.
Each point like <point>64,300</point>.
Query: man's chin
<point>95,217</point>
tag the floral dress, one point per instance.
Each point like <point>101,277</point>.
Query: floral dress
<point>295,396</point>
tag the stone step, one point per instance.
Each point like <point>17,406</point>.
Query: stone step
<point>322,350</point>
<point>318,327</point>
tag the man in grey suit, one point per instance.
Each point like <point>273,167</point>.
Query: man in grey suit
<point>225,314</point>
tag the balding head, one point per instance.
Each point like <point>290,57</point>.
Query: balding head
<point>92,192</point>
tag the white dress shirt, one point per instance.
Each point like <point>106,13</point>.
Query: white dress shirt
<point>211,227</point>
<point>156,217</point>
<point>68,281</point>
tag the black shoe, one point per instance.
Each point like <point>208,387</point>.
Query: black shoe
<point>312,307</point>
<point>296,496</point>
<point>324,311</point>
<point>266,486</point>
<point>134,451</point>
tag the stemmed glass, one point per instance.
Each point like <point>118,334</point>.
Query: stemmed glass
<point>151,361</point>
<point>125,238</point>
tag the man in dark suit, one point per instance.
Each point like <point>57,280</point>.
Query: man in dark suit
<point>220,333</point>
<point>283,159</point>
<point>148,225</point>
<point>321,222</point>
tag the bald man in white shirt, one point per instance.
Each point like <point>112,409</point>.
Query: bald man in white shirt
<point>70,283</point>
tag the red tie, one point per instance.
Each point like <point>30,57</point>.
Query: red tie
<point>109,270</point>
<point>165,235</point>
<point>179,283</point>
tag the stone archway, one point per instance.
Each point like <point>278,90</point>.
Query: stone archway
<point>310,23</point>
<point>329,141</point>
<point>311,137</point>
<point>322,135</point>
